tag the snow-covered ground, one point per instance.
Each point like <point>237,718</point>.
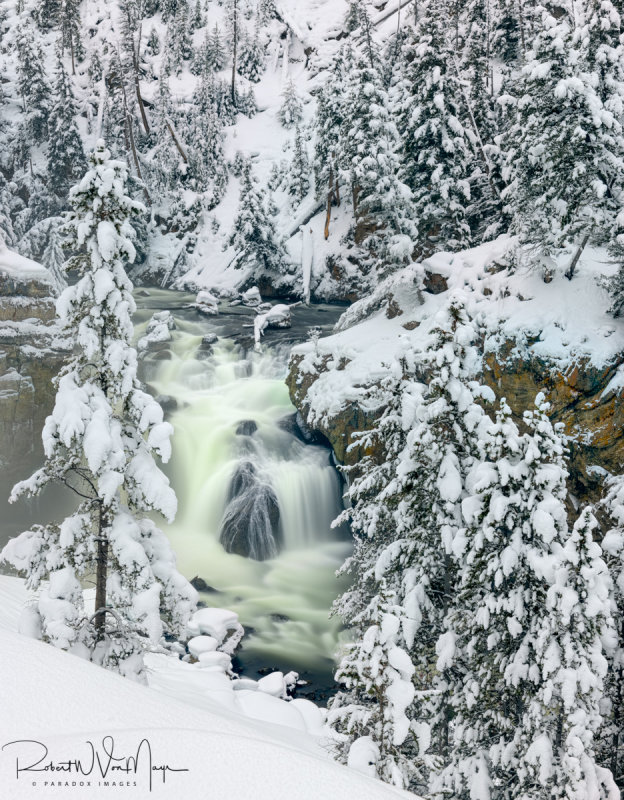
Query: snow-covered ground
<point>562,321</point>
<point>185,720</point>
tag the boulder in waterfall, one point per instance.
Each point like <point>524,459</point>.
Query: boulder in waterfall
<point>167,402</point>
<point>250,525</point>
<point>251,297</point>
<point>158,334</point>
<point>206,303</point>
<point>246,427</point>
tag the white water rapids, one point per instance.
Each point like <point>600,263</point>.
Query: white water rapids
<point>283,601</point>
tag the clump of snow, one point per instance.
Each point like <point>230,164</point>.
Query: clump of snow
<point>158,330</point>
<point>206,303</point>
<point>251,297</point>
<point>201,644</point>
<point>19,268</point>
<point>276,317</point>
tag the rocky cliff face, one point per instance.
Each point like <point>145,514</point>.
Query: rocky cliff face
<point>30,355</point>
<point>585,398</point>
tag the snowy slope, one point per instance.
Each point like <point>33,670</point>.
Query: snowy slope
<point>562,321</point>
<point>62,702</point>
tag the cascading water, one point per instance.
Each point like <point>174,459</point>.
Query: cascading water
<point>255,502</point>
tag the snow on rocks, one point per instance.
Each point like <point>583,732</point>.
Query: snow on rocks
<point>158,330</point>
<point>277,317</point>
<point>206,303</point>
<point>201,644</point>
<point>219,623</point>
<point>251,297</point>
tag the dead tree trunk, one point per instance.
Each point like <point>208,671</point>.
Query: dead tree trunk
<point>579,250</point>
<point>101,574</point>
<point>234,47</point>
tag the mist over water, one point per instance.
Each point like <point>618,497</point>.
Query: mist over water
<point>283,601</point>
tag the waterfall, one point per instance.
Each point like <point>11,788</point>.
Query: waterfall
<point>256,503</point>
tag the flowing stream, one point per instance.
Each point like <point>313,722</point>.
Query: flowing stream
<point>246,481</point>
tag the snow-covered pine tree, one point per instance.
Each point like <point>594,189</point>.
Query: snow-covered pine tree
<point>100,441</point>
<point>364,711</point>
<point>291,110</point>
<point>370,143</point>
<point>53,258</point>
<point>611,736</point>
<point>217,50</point>
<point>518,566</point>
<point>66,158</point>
<point>565,147</point>
<point>251,57</point>
<point>206,142</point>
<point>437,155</point>
<point>6,223</point>
<point>407,520</point>
<point>331,111</point>
<point>254,235</point>
<point>178,45</point>
<point>70,31</point>
<point>32,85</point>
<point>299,172</point>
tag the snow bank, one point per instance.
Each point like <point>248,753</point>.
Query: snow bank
<point>193,723</point>
<point>21,268</point>
<point>560,322</point>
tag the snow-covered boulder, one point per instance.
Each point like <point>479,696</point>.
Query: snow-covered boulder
<point>207,303</point>
<point>201,644</point>
<point>251,297</point>
<point>221,624</point>
<point>158,331</point>
<point>276,317</point>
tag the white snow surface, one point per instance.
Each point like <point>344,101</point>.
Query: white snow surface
<point>20,268</point>
<point>561,322</point>
<point>232,743</point>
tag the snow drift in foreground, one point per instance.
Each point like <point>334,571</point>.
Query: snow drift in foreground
<point>62,703</point>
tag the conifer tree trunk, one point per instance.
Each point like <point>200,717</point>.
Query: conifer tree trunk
<point>101,574</point>
<point>234,48</point>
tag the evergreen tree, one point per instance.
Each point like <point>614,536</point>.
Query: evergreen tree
<point>100,441</point>
<point>436,148</point>
<point>66,159</point>
<point>291,110</point>
<point>611,735</point>
<point>251,58</point>
<point>53,258</point>
<point>70,31</point>
<point>406,515</point>
<point>217,50</point>
<point>566,157</point>
<point>299,174</point>
<point>382,203</point>
<point>178,46</point>
<point>33,86</point>
<point>530,609</point>
<point>206,142</point>
<point>254,235</point>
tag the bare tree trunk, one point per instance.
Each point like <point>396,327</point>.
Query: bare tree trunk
<point>234,49</point>
<point>521,24</point>
<point>100,576</point>
<point>73,56</point>
<point>137,85</point>
<point>570,271</point>
<point>176,141</point>
<point>330,193</point>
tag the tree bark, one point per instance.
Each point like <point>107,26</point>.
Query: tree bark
<point>176,141</point>
<point>100,576</point>
<point>570,271</point>
<point>234,49</point>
